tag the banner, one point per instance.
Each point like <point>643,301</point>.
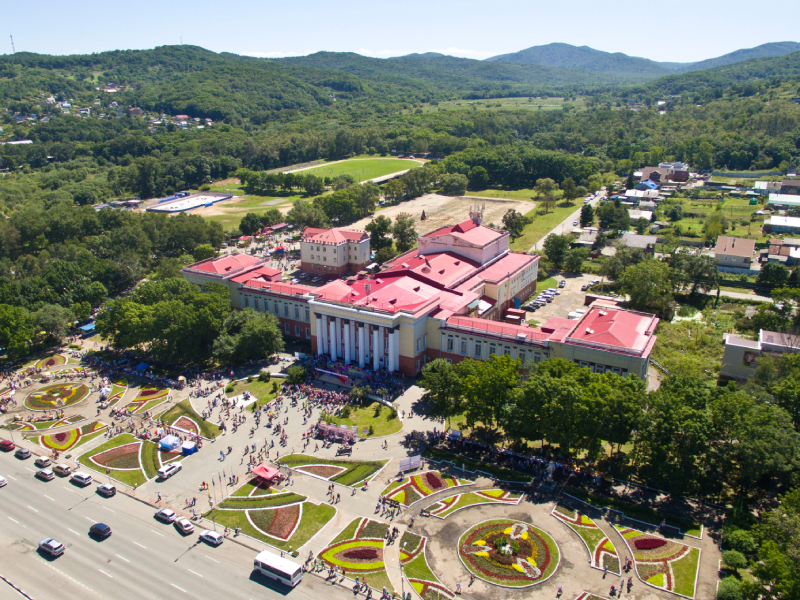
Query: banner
<point>412,462</point>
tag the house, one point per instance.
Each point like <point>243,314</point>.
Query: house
<point>784,251</point>
<point>779,224</point>
<point>647,205</point>
<point>734,255</point>
<point>647,185</point>
<point>656,226</point>
<point>635,215</point>
<point>639,195</point>
<point>740,357</point>
<point>333,252</point>
<point>86,111</point>
<point>586,239</point>
<point>790,186</point>
<point>182,118</point>
<point>783,201</point>
<point>677,172</point>
<point>643,242</point>
<point>136,112</point>
<point>767,187</point>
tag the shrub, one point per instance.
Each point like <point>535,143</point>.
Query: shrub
<point>274,386</point>
<point>229,388</point>
<point>515,546</point>
<point>250,379</point>
<point>296,374</point>
<point>740,540</point>
<point>729,589</point>
<point>371,430</point>
<point>264,376</point>
<point>378,407</point>
<point>392,414</point>
<point>346,412</point>
<point>734,559</point>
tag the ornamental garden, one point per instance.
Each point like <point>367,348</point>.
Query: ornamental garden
<point>183,416</point>
<point>352,473</point>
<point>127,459</point>
<point>359,551</point>
<point>421,486</point>
<point>72,438</point>
<point>58,395</point>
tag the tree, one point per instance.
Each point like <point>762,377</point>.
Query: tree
<point>734,559</point>
<point>772,274</point>
<point>443,387</point>
<point>488,387</point>
<point>313,185</point>
<point>404,233</point>
<point>649,285</point>
<point>385,254</point>
<point>778,567</point>
<point>272,216</point>
<point>454,184</point>
<point>478,178</point>
<point>250,224</point>
<point>306,214</point>
<point>16,330</point>
<point>587,215</point>
<point>248,335</point>
<point>296,375</point>
<point>394,190</point>
<point>514,223</point>
<point>569,189</point>
<point>613,216</point>
<point>379,229</point>
<point>575,258</point>
<point>555,248</point>
<point>203,252</point>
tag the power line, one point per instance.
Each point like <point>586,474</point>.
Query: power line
<point>13,50</point>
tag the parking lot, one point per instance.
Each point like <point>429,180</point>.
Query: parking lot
<point>570,299</point>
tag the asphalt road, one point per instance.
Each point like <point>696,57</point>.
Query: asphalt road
<point>143,558</point>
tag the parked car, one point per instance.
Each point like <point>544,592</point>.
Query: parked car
<point>45,474</point>
<point>212,538</point>
<point>22,453</point>
<point>42,462</point>
<point>100,531</point>
<point>62,470</point>
<point>52,547</point>
<point>81,478</point>
<point>562,283</point>
<point>584,287</point>
<point>166,515</point>
<point>106,489</point>
<point>3,481</point>
<point>7,445</point>
<point>574,223</point>
<point>169,470</point>
<point>316,278</point>
<point>184,525</point>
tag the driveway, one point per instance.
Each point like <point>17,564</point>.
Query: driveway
<point>566,224</point>
<point>571,298</point>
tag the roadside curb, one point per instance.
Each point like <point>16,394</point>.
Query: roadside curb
<point>15,588</point>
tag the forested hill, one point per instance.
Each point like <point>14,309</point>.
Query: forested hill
<point>762,51</point>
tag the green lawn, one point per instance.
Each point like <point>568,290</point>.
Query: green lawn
<point>543,284</point>
<point>380,419</point>
<point>541,225</point>
<point>131,478</point>
<point>357,471</point>
<point>260,389</point>
<point>472,465</point>
<point>150,462</point>
<point>207,429</point>
<point>315,517</point>
<point>522,103</point>
<point>247,488</point>
<point>271,501</point>
<point>685,571</point>
<point>363,168</point>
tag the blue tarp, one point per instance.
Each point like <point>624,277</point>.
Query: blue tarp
<point>170,442</point>
<point>142,366</point>
<point>87,328</point>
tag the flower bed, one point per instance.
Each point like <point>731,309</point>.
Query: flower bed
<point>421,486</point>
<point>187,424</point>
<point>184,408</point>
<point>355,474</point>
<point>118,389</point>
<point>279,523</point>
<point>57,395</point>
<point>65,440</point>
<point>602,553</point>
<point>122,455</point>
<point>669,566</point>
<point>359,551</point>
<point>255,487</point>
<point>417,570</point>
<point>446,507</point>
<point>508,553</point>
<point>321,471</point>
<point>56,360</point>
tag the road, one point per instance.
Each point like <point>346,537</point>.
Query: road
<point>566,225</point>
<point>143,558</point>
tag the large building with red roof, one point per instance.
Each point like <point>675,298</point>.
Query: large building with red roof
<point>333,252</point>
<point>444,299</point>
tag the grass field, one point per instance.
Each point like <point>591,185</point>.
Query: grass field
<point>260,389</point>
<point>362,168</point>
<point>133,477</point>
<point>541,225</point>
<point>381,419</point>
<point>525,102</point>
<point>737,211</point>
<point>207,429</point>
<point>357,471</point>
<point>543,284</point>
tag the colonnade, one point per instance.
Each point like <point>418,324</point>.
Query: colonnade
<point>349,340</point>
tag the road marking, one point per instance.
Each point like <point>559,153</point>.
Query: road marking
<point>48,497</point>
<point>123,558</point>
<point>154,531</point>
<point>15,521</point>
<point>10,477</point>
<point>140,546</point>
<point>209,558</point>
<point>75,532</point>
<point>106,574</point>
<point>66,488</point>
<point>176,587</point>
<point>88,519</point>
<point>190,571</point>
<point>31,470</point>
<point>71,578</point>
<point>108,509</point>
<point>33,509</point>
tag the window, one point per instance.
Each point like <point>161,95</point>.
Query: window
<point>450,343</point>
<point>477,353</point>
<point>286,327</point>
<point>325,259</point>
<point>308,333</point>
<point>726,259</point>
<point>306,316</point>
<point>246,301</point>
<point>600,369</point>
<point>521,355</point>
<point>463,347</point>
<point>285,309</point>
<point>492,349</point>
<point>255,303</point>
<point>537,358</point>
<point>297,313</point>
<point>419,344</point>
<point>449,362</point>
<point>297,331</point>
<point>425,341</point>
<point>583,364</point>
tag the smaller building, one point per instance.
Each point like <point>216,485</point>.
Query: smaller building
<point>734,255</point>
<point>666,172</point>
<point>643,242</point>
<point>767,187</point>
<point>790,186</point>
<point>740,358</point>
<point>778,224</point>
<point>333,252</point>
<point>223,270</point>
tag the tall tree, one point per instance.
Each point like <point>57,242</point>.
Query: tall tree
<point>443,389</point>
<point>404,232</point>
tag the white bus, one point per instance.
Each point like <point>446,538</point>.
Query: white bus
<point>280,569</point>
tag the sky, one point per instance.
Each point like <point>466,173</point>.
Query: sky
<point>675,32</point>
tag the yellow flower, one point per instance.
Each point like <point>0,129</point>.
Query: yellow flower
<point>533,562</point>
<point>480,543</point>
<point>508,530</point>
<point>516,567</point>
<point>524,535</point>
<point>482,554</point>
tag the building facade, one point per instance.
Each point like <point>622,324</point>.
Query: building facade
<point>333,252</point>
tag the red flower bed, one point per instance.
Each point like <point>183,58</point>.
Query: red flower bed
<point>186,423</point>
<point>284,522</point>
<point>649,543</point>
<point>362,554</point>
<point>103,458</point>
<point>433,480</point>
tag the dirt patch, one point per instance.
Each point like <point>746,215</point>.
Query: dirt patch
<point>447,210</point>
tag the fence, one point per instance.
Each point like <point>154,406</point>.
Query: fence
<point>745,174</point>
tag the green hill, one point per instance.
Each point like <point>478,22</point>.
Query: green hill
<point>762,51</point>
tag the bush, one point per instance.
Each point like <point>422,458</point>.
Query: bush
<point>740,540</point>
<point>734,559</point>
<point>250,379</point>
<point>729,589</point>
<point>296,375</point>
<point>346,412</point>
<point>264,376</point>
<point>371,430</point>
<point>274,387</point>
<point>392,414</point>
<point>229,388</point>
<point>205,187</point>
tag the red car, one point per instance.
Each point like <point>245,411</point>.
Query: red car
<point>7,445</point>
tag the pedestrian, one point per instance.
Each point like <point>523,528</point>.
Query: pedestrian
<point>458,588</point>
<point>159,496</point>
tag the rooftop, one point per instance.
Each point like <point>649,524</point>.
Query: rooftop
<point>732,246</point>
<point>261,274</point>
<point>506,266</point>
<point>283,289</point>
<point>633,240</point>
<point>616,330</point>
<point>513,333</point>
<point>335,235</point>
<point>443,267</point>
<point>783,221</point>
<point>470,232</point>
<point>225,265</point>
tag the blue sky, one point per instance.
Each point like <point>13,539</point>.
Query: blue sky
<point>473,29</point>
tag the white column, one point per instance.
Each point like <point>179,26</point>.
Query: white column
<point>320,343</point>
<point>396,349</point>
<point>382,346</point>
<point>324,334</point>
<point>338,337</point>
<point>361,348</point>
<point>390,359</point>
<point>351,334</point>
<point>346,334</point>
<point>333,339</point>
<point>375,333</point>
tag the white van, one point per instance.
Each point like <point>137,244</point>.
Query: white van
<point>278,568</point>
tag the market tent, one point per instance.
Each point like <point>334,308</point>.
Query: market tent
<point>170,442</point>
<point>188,448</point>
<point>87,328</point>
<point>142,367</point>
<point>266,473</point>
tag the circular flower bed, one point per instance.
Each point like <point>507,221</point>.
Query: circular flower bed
<point>51,361</point>
<point>509,553</point>
<point>56,396</point>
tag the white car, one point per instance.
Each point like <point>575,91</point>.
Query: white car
<point>212,538</point>
<point>184,525</point>
<point>169,470</point>
<point>52,547</point>
<point>166,515</point>
<point>3,481</point>
<point>81,478</point>
<point>106,489</point>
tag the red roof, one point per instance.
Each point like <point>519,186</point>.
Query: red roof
<point>621,329</point>
<point>497,329</point>
<point>232,263</point>
<point>506,266</point>
<point>443,267</point>
<point>469,232</point>
<point>285,289</point>
<point>335,235</point>
<point>261,274</point>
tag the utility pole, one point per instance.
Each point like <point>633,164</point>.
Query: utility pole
<point>13,50</point>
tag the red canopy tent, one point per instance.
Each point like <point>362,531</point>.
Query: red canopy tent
<point>268,474</point>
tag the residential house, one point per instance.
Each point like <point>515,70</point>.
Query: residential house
<point>735,255</point>
<point>644,242</point>
<point>740,357</point>
<point>790,186</point>
<point>136,112</point>
<point>779,224</point>
<point>783,201</point>
<point>767,187</point>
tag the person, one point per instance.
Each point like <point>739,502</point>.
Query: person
<point>560,590</point>
<point>458,588</point>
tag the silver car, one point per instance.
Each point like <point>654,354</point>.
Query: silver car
<point>52,547</point>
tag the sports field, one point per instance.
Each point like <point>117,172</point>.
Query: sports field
<point>362,168</point>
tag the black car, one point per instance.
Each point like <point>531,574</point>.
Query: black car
<point>100,531</point>
<point>22,453</point>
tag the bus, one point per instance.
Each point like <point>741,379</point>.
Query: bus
<point>278,568</point>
